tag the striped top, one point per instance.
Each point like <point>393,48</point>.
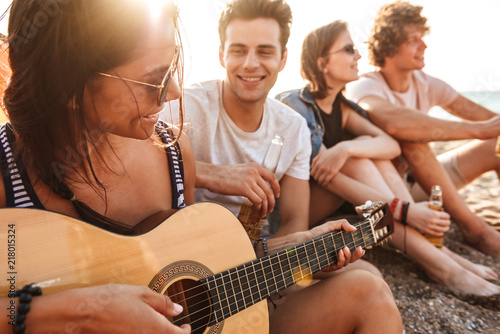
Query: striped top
<point>175,164</point>
<point>19,190</point>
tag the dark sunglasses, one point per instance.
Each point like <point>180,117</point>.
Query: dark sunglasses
<point>349,49</point>
<point>163,86</point>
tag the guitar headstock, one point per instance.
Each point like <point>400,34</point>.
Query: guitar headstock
<point>380,218</point>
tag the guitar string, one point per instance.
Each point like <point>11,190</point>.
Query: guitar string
<point>300,249</point>
<point>239,270</point>
<point>229,305</point>
<point>353,243</point>
<point>327,236</point>
<point>244,274</point>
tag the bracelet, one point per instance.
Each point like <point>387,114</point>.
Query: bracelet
<point>255,243</point>
<point>25,295</point>
<point>264,245</point>
<point>405,212</point>
<point>394,204</point>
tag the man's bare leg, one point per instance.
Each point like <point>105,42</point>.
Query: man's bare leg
<point>469,154</point>
<point>352,302</point>
<point>428,171</point>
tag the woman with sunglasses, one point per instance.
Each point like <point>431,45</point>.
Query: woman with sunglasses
<point>351,161</point>
<point>89,78</point>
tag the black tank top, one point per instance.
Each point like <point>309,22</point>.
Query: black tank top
<point>333,124</point>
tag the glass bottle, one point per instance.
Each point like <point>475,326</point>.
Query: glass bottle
<point>436,203</point>
<point>251,219</point>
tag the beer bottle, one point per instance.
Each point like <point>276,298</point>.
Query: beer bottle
<point>251,219</point>
<point>436,203</point>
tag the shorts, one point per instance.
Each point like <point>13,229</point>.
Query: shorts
<point>449,161</point>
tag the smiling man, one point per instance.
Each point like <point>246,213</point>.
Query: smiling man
<point>398,96</point>
<point>231,122</point>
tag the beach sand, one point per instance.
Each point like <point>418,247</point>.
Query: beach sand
<point>427,307</point>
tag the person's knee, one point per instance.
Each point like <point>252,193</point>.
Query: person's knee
<point>375,298</point>
<point>365,265</point>
<point>360,163</point>
<point>360,283</point>
<point>371,282</point>
<point>366,289</point>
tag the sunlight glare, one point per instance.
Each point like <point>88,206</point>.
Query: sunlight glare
<point>155,7</point>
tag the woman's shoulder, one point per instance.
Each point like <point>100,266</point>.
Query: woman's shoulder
<point>170,132</point>
<point>349,105</point>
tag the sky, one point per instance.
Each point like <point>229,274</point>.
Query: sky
<point>463,44</point>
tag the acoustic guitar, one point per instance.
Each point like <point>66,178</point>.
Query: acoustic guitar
<point>200,257</point>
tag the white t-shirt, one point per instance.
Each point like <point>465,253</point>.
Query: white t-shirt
<point>424,92</point>
<point>217,140</point>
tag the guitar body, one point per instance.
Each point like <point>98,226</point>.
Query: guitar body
<point>60,253</point>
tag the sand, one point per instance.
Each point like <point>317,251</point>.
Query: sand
<point>427,307</point>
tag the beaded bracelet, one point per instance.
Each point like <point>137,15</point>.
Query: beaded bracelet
<point>25,295</point>
<point>394,204</point>
<point>255,243</point>
<point>264,245</point>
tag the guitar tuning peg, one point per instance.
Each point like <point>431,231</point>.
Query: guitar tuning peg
<point>386,240</point>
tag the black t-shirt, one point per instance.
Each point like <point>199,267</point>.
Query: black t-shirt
<point>333,124</point>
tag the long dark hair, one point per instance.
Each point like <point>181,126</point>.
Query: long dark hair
<point>56,48</point>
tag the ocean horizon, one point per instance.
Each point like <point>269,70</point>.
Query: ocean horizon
<point>488,99</point>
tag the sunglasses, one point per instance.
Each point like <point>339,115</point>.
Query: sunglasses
<point>349,49</point>
<point>163,86</point>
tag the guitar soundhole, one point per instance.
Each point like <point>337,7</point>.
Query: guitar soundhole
<point>196,303</point>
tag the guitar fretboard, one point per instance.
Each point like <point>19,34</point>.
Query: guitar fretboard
<point>236,289</point>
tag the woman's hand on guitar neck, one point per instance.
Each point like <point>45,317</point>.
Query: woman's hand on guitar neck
<point>108,308</point>
<point>344,255</point>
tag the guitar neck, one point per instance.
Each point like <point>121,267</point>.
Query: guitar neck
<point>236,289</point>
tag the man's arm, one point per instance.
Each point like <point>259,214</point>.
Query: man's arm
<point>293,206</point>
<point>411,125</point>
<point>249,180</point>
<point>464,108</point>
